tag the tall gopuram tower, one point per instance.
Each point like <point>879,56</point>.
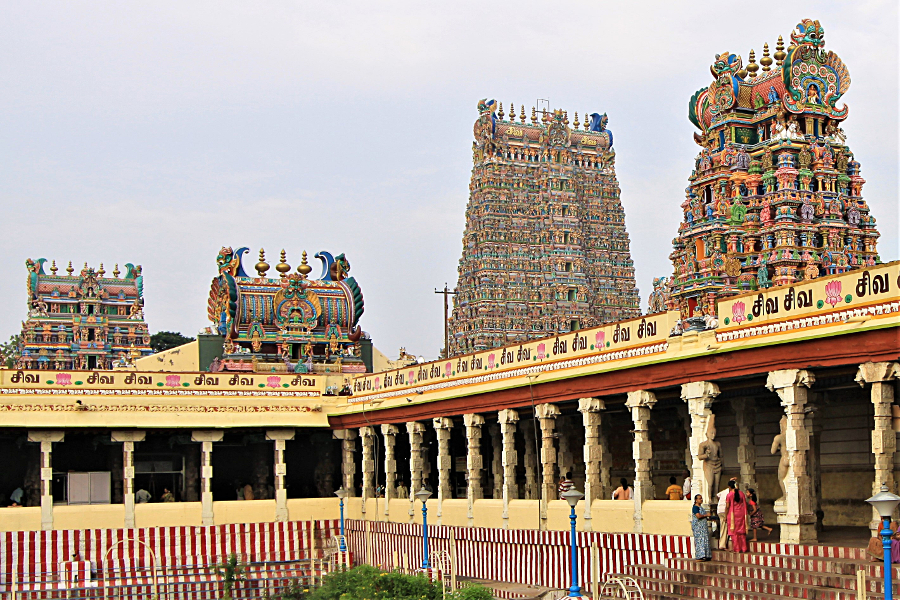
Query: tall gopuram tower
<point>776,193</point>
<point>545,249</point>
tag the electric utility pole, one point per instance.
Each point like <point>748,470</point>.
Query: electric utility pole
<point>447,293</point>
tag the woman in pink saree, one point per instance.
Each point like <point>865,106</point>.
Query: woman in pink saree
<point>736,513</point>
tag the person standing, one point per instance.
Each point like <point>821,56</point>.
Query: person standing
<point>686,486</point>
<point>674,491</point>
<point>736,514</point>
<point>700,529</point>
<point>167,496</point>
<point>565,484</point>
<point>142,496</point>
<point>721,509</point>
<point>623,492</point>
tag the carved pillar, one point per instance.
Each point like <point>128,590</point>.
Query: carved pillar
<point>46,439</point>
<point>206,439</point>
<point>474,461</point>
<point>442,427</point>
<point>348,463</point>
<point>128,438</point>
<point>795,513</point>
<point>699,396</point>
<point>414,430</point>
<point>745,418</point>
<point>546,414</point>
<point>640,403</point>
<point>566,458</point>
<point>368,464</point>
<point>594,458</point>
<point>496,461</point>
<point>531,479</point>
<point>280,437</point>
<point>884,440</point>
<point>685,417</point>
<point>509,491</point>
<point>390,464</point>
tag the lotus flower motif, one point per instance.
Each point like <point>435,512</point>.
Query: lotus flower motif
<point>599,339</point>
<point>491,359</point>
<point>833,292</point>
<point>541,351</point>
<point>448,369</point>
<point>273,382</point>
<point>737,312</point>
<point>173,380</point>
<point>63,379</point>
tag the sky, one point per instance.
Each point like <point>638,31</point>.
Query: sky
<point>158,132</point>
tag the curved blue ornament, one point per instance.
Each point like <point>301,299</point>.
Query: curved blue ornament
<point>240,258</point>
<point>327,260</point>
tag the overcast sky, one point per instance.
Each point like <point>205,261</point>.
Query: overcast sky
<point>157,132</point>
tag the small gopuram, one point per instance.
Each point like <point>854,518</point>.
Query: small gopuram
<point>289,322</point>
<point>545,249</point>
<point>775,196</point>
<point>83,320</point>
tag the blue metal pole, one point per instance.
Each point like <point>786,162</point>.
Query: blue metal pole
<point>343,545</point>
<point>886,544</point>
<point>574,591</point>
<point>425,563</point>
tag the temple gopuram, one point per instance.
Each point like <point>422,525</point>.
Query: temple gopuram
<point>289,322</point>
<point>545,248</point>
<point>84,320</point>
<point>775,196</point>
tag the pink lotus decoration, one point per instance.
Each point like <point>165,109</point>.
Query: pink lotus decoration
<point>448,369</point>
<point>491,361</point>
<point>412,378</point>
<point>273,382</point>
<point>599,339</point>
<point>541,351</point>
<point>833,293</point>
<point>63,379</point>
<point>737,312</point>
<point>173,380</point>
<point>378,383</point>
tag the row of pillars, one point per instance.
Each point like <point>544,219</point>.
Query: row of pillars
<point>795,511</point>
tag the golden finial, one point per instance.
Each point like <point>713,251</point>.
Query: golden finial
<point>522,113</point>
<point>533,116</point>
<point>566,117</point>
<point>262,266</point>
<point>500,112</point>
<point>780,54</point>
<point>742,74</point>
<point>586,122</point>
<point>69,269</point>
<point>766,60</point>
<point>102,271</point>
<point>304,268</point>
<point>85,265</point>
<point>752,67</point>
<point>577,123</point>
<point>512,112</point>
<point>53,267</point>
<point>116,271</point>
<point>283,267</point>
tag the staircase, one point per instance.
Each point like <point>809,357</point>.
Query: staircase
<point>771,570</point>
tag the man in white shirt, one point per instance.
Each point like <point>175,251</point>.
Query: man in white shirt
<point>687,486</point>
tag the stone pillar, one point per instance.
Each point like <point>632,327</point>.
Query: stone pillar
<point>745,418</point>
<point>46,439</point>
<point>390,463</point>
<point>496,461</point>
<point>442,427</point>
<point>546,414</point>
<point>206,439</point>
<point>280,437</point>
<point>509,490</point>
<point>566,456</point>
<point>685,417</point>
<point>699,396</point>
<point>884,440</point>
<point>128,439</point>
<point>368,464</point>
<point>531,477</point>
<point>415,430</point>
<point>594,458</point>
<point>640,403</point>
<point>348,463</point>
<point>474,462</point>
<point>795,511</point>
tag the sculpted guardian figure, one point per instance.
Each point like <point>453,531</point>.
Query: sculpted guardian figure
<point>778,446</point>
<point>710,452</point>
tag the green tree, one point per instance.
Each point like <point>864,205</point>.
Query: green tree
<point>230,571</point>
<point>163,340</point>
<point>11,351</point>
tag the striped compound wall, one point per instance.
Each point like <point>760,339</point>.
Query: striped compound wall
<point>514,555</point>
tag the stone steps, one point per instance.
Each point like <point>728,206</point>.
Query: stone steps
<point>737,589</point>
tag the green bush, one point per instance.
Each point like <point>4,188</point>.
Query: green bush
<point>471,591</point>
<point>368,583</point>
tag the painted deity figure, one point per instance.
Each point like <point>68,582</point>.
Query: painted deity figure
<point>710,452</point>
<point>779,447</point>
<point>773,95</point>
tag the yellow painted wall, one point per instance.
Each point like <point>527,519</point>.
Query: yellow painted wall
<point>523,514</point>
<point>488,513</point>
<point>181,358</point>
<point>667,517</point>
<point>305,509</point>
<point>613,516</point>
<point>455,513</point>
<point>168,514</point>
<point>95,516</point>
<point>243,511</point>
<point>22,518</point>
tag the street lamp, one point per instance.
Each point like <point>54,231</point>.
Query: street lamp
<point>885,502</point>
<point>342,493</point>
<point>572,497</point>
<point>424,495</point>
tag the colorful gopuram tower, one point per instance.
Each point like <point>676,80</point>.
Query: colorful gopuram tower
<point>776,193</point>
<point>545,249</point>
<point>83,320</point>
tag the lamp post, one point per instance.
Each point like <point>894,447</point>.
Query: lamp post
<point>342,493</point>
<point>572,497</point>
<point>424,495</point>
<point>885,502</point>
